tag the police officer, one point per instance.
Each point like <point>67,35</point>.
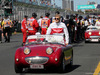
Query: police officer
<point>7,24</point>
<point>32,24</point>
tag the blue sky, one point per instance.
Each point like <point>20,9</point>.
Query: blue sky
<point>83,2</point>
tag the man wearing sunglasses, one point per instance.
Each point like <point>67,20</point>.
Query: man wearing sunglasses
<point>58,27</point>
<point>52,20</point>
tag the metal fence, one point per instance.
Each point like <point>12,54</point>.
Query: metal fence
<point>19,12</point>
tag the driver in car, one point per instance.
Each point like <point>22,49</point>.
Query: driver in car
<point>58,27</point>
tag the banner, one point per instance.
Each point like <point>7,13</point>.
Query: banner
<point>86,7</point>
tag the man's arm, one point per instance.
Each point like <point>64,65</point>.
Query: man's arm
<point>35,24</point>
<point>2,24</point>
<point>48,30</point>
<point>66,34</point>
<point>96,23</point>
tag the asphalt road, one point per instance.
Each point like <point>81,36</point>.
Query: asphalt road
<point>86,59</point>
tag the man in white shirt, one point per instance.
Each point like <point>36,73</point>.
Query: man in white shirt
<point>90,20</point>
<point>86,23</point>
<point>98,23</point>
<point>58,27</point>
<point>39,22</point>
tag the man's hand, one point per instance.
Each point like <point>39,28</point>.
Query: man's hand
<point>66,43</point>
<point>27,31</point>
<point>10,26</point>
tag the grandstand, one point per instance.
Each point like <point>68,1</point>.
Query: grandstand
<point>27,7</point>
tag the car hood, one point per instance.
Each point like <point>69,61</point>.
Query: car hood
<point>93,31</point>
<point>40,49</point>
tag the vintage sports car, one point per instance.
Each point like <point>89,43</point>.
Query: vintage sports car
<point>44,52</point>
<point>92,34</point>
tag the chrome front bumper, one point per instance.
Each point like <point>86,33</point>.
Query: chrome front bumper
<point>36,60</point>
<point>94,37</point>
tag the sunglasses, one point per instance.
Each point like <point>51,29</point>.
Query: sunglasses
<point>57,18</point>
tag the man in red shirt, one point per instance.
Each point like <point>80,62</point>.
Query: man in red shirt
<point>32,25</point>
<point>45,22</point>
<point>24,28</point>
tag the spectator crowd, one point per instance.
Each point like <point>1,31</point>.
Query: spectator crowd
<point>75,24</point>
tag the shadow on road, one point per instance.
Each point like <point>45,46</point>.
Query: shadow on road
<point>51,71</point>
<point>73,68</point>
<point>77,45</point>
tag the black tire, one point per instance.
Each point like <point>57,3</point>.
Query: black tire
<point>62,66</point>
<point>70,65</point>
<point>18,69</point>
<point>86,41</point>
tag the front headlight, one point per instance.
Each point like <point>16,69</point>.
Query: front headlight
<point>27,51</point>
<point>49,50</point>
<point>99,33</point>
<point>90,33</point>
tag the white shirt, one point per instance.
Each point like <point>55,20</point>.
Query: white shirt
<point>97,24</point>
<point>57,28</point>
<point>86,23</point>
<point>90,20</point>
<point>39,21</point>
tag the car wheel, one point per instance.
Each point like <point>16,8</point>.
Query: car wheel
<point>18,69</point>
<point>71,63</point>
<point>86,41</point>
<point>62,66</point>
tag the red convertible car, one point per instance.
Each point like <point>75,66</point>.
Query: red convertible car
<point>42,52</point>
<point>92,34</point>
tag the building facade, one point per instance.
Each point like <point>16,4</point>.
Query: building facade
<point>68,5</point>
<point>57,3</point>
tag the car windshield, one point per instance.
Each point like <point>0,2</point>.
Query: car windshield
<point>91,28</point>
<point>37,39</point>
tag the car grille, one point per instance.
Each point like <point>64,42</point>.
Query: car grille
<point>94,37</point>
<point>36,60</point>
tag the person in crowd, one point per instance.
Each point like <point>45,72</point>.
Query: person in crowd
<point>82,29</point>
<point>32,24</point>
<point>79,22</point>
<point>71,28</point>
<point>94,20</point>
<point>58,27</point>
<point>15,25</point>
<point>24,29</point>
<point>98,23</point>
<point>45,22</point>
<point>76,17</point>
<point>0,32</point>
<point>75,29</point>
<point>39,22</point>
<point>90,20</point>
<point>66,21</point>
<point>2,27</point>
<point>7,24</point>
<point>86,23</point>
